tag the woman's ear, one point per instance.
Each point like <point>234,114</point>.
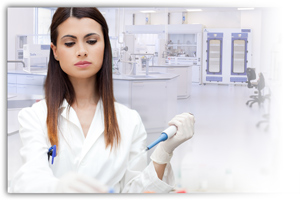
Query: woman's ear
<point>54,49</point>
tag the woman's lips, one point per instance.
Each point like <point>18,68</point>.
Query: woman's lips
<point>83,64</point>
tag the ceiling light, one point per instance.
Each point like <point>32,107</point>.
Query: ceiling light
<point>245,8</point>
<point>193,10</point>
<point>148,11</point>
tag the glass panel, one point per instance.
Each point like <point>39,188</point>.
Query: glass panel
<point>239,56</point>
<point>214,62</point>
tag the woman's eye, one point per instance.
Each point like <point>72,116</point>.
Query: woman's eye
<point>92,42</point>
<point>69,44</point>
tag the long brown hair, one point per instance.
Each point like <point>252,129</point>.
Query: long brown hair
<point>58,86</point>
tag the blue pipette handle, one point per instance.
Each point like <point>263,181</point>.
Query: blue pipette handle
<point>166,134</point>
<point>161,138</point>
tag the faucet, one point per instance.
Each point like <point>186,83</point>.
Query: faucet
<point>16,61</point>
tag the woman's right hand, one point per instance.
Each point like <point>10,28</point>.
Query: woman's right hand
<point>77,183</point>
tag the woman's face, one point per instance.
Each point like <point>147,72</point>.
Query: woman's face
<point>79,47</point>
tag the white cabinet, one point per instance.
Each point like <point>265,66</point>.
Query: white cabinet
<point>25,84</point>
<point>196,74</point>
<point>184,80</point>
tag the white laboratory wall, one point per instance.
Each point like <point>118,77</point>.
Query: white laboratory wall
<point>215,19</point>
<point>252,20</point>
<point>176,18</point>
<point>21,21</point>
<point>140,19</point>
<point>110,17</point>
<point>271,30</point>
<point>159,18</point>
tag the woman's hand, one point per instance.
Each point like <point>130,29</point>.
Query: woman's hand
<point>77,183</point>
<point>185,131</point>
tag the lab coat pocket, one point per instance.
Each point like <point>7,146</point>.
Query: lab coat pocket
<point>62,163</point>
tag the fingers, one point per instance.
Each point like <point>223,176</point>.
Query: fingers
<point>184,118</point>
<point>91,185</point>
<point>185,125</point>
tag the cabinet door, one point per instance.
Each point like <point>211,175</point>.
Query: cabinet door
<point>11,78</point>
<point>183,80</point>
<point>31,79</point>
<point>11,88</point>
<point>149,98</point>
<point>30,89</point>
<point>196,74</point>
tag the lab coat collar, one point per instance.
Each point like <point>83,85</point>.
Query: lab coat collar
<point>96,128</point>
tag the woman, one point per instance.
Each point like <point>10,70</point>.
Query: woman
<point>97,139</point>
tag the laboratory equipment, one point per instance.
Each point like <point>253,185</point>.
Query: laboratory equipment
<point>144,61</point>
<point>226,55</point>
<point>239,55</point>
<point>36,57</point>
<point>166,134</point>
<point>214,52</point>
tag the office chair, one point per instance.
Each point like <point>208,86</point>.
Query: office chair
<point>259,85</point>
<point>251,75</point>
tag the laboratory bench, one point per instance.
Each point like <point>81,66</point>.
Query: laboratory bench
<point>184,80</point>
<point>21,82</point>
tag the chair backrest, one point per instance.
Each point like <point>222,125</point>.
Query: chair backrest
<point>261,81</point>
<point>250,76</point>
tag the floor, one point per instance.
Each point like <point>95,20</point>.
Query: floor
<point>228,153</point>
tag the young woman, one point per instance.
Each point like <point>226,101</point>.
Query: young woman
<point>97,139</point>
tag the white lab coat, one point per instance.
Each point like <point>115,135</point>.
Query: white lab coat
<point>86,156</point>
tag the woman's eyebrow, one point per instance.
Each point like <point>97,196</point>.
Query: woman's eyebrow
<point>72,36</point>
<point>87,35</point>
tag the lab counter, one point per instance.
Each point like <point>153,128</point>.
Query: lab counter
<point>15,102</point>
<point>26,73</point>
<point>184,79</point>
<point>154,97</point>
<point>151,76</point>
<point>21,82</point>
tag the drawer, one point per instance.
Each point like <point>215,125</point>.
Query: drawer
<point>11,88</point>
<point>31,79</point>
<point>30,89</point>
<point>11,78</point>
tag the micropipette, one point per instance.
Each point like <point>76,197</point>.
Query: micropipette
<point>166,134</point>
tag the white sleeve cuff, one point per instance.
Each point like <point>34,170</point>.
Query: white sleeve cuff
<point>165,185</point>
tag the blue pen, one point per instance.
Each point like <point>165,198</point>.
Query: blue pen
<point>52,152</point>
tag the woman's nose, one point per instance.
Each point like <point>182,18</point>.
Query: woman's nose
<point>81,51</point>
